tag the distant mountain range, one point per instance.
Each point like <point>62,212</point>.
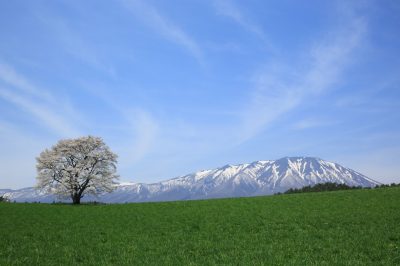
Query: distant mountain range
<point>243,180</point>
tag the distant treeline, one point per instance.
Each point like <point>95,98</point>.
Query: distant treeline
<point>388,185</point>
<point>332,187</point>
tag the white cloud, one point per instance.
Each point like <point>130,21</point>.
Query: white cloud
<point>75,44</point>
<point>313,123</point>
<point>139,127</point>
<point>45,115</point>
<point>143,130</point>
<point>11,77</point>
<point>280,89</point>
<point>41,106</point>
<point>229,9</point>
<point>164,26</point>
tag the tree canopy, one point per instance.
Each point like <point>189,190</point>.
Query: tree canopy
<point>75,167</point>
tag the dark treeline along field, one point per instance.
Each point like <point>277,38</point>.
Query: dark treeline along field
<point>332,187</point>
<point>352,227</point>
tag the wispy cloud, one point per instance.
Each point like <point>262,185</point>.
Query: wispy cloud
<point>139,127</point>
<point>229,9</point>
<point>280,88</point>
<point>11,77</point>
<point>164,26</point>
<point>142,132</point>
<point>313,123</point>
<point>75,44</point>
<point>39,104</point>
<point>371,99</point>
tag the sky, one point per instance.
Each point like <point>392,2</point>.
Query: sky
<point>178,86</point>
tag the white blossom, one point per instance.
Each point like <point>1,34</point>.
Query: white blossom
<point>75,167</point>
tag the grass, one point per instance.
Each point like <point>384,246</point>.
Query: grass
<point>359,227</point>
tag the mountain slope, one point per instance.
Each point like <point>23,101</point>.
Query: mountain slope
<point>257,178</point>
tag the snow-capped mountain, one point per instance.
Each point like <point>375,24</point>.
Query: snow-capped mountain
<point>251,179</point>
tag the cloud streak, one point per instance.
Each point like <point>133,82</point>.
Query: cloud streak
<point>164,26</point>
<point>281,88</point>
<point>229,9</point>
<point>140,127</point>
<point>75,44</point>
<point>39,104</point>
<point>144,130</point>
<point>313,123</point>
<point>11,77</point>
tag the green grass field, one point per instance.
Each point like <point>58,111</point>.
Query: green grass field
<point>358,227</point>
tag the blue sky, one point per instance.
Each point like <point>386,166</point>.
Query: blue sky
<point>178,86</point>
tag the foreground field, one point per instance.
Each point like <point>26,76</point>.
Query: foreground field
<point>359,227</point>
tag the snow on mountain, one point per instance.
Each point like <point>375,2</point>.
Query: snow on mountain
<point>254,179</point>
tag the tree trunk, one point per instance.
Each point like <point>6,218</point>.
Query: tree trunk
<point>76,199</point>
